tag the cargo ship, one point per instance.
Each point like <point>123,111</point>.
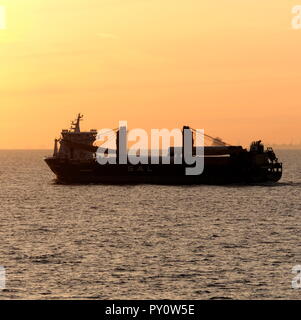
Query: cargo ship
<point>75,161</point>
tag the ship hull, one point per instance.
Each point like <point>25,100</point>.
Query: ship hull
<point>217,170</point>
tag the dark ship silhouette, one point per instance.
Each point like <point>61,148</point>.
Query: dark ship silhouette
<point>75,162</point>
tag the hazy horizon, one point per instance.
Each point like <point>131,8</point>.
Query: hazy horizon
<point>276,147</point>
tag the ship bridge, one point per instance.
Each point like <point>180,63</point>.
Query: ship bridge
<point>74,137</point>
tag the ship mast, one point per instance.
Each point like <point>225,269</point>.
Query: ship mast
<point>75,124</point>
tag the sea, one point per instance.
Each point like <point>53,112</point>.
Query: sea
<point>146,241</point>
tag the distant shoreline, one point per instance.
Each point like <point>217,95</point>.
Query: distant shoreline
<point>286,147</point>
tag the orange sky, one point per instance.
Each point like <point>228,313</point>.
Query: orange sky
<point>231,67</point>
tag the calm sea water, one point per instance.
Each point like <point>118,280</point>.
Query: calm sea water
<point>146,242</point>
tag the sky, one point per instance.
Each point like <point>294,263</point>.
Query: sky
<point>230,67</point>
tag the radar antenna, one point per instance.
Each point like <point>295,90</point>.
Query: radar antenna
<point>75,124</point>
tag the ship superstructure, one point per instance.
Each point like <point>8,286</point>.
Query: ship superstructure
<point>71,139</point>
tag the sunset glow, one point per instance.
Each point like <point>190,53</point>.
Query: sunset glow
<point>231,67</point>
